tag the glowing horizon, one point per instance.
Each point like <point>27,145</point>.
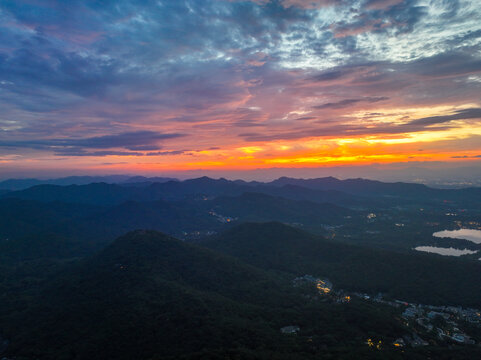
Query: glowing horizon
<point>238,85</point>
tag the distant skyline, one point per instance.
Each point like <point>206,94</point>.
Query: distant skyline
<point>242,89</point>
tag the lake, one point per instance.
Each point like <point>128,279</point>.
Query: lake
<point>444,251</point>
<point>466,234</point>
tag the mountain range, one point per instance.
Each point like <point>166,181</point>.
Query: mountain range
<point>209,268</point>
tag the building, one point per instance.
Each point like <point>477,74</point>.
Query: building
<point>291,329</point>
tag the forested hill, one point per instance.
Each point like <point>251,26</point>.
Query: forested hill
<point>150,296</point>
<point>412,277</point>
<point>147,294</point>
<point>31,228</point>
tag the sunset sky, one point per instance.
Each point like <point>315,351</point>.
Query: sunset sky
<point>175,85</point>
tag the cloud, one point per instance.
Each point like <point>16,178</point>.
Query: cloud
<point>303,4</point>
<point>333,74</point>
<point>465,157</point>
<point>464,114</point>
<point>80,152</point>
<point>446,64</point>
<point>381,4</point>
<point>165,153</point>
<point>340,130</point>
<point>285,69</point>
<point>311,4</point>
<point>137,140</point>
<point>348,102</point>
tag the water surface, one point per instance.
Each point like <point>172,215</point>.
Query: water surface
<point>466,234</point>
<point>445,251</point>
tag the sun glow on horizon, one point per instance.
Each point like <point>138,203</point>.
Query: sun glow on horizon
<point>314,85</point>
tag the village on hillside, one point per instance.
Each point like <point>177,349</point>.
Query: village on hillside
<point>428,324</point>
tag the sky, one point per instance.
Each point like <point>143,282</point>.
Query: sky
<point>166,86</point>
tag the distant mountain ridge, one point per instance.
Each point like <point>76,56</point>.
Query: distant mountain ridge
<point>21,184</point>
<point>80,219</point>
<point>355,186</point>
<point>340,192</point>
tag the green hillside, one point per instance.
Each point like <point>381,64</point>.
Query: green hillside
<point>148,295</point>
<point>415,277</point>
